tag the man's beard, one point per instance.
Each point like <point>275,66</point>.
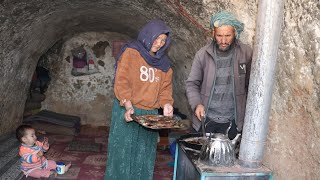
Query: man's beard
<point>226,48</point>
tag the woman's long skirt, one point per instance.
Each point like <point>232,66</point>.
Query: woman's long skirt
<point>131,147</point>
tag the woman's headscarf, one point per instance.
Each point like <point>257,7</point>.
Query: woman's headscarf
<point>143,44</point>
<point>226,18</point>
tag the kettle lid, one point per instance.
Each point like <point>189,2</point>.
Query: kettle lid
<point>219,136</point>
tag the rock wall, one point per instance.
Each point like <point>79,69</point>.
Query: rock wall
<point>89,96</point>
<point>292,150</point>
<point>29,28</point>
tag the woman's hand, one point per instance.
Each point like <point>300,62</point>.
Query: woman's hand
<point>129,111</point>
<point>168,110</point>
<point>199,112</point>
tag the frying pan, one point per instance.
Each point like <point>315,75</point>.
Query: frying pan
<point>184,139</point>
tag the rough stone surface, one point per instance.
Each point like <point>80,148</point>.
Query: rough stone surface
<point>99,48</point>
<point>292,149</point>
<point>88,96</point>
<point>28,29</point>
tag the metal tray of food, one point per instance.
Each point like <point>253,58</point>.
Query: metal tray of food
<point>158,122</point>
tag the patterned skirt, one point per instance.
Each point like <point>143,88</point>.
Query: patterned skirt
<point>131,147</point>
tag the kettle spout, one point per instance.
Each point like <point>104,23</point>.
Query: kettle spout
<point>234,140</point>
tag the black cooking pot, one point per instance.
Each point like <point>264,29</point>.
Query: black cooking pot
<point>192,140</point>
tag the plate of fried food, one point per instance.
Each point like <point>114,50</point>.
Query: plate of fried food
<point>158,122</point>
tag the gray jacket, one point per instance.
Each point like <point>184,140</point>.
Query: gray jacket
<point>202,77</point>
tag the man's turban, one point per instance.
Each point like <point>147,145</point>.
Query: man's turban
<point>226,18</point>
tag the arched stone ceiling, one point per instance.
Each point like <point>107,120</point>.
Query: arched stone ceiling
<point>30,27</point>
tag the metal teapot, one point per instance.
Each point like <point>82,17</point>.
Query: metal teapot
<point>218,149</point>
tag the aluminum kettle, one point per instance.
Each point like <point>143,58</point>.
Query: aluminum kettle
<point>218,149</point>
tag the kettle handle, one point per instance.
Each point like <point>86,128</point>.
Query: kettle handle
<point>227,131</point>
<point>203,128</point>
<point>204,125</point>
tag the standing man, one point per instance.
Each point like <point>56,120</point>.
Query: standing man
<point>217,85</point>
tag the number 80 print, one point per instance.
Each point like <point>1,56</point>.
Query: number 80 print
<point>147,74</point>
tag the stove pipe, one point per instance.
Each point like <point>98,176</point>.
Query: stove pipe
<point>256,125</point>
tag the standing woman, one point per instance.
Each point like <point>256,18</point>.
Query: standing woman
<point>143,84</point>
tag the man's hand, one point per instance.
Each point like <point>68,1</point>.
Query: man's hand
<point>199,112</point>
<point>130,110</point>
<point>168,110</point>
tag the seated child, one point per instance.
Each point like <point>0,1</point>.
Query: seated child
<point>33,163</point>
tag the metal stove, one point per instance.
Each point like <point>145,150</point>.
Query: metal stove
<point>188,167</point>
